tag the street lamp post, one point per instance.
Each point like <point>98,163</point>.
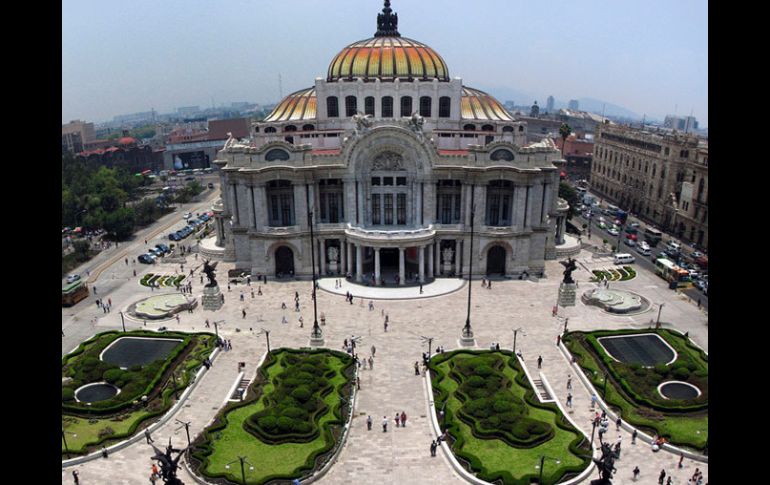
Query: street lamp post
<point>467,333</point>
<point>516,331</point>
<point>430,341</point>
<point>542,462</point>
<point>657,323</point>
<point>316,335</point>
<point>244,462</point>
<point>64,439</point>
<point>267,336</point>
<point>593,429</point>
<point>216,328</point>
<point>186,426</point>
<point>123,321</point>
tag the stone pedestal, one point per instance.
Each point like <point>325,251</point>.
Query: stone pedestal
<point>447,269</point>
<point>467,339</point>
<point>567,294</point>
<point>212,298</point>
<point>332,269</point>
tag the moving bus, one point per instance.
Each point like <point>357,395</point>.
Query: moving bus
<point>676,276</point>
<point>73,293</point>
<point>652,236</point>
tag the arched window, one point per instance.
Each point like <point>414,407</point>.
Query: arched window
<point>444,107</point>
<point>487,128</point>
<point>521,128</point>
<point>369,105</point>
<point>387,106</point>
<point>469,127</point>
<point>351,105</point>
<point>308,128</point>
<point>508,129</point>
<point>406,106</point>
<point>332,107</point>
<point>289,128</point>
<point>425,105</point>
<point>269,129</point>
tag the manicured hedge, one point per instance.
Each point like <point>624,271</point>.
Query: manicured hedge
<point>291,360</point>
<point>489,409</point>
<point>578,447</point>
<point>633,389</point>
<point>84,366</point>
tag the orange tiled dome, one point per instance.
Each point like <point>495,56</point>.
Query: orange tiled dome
<point>387,58</point>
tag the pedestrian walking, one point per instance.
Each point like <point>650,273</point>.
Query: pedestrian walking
<point>416,367</point>
<point>241,296</point>
<point>403,419</point>
<point>558,339</point>
<point>569,400</point>
<point>681,460</point>
<point>569,381</point>
<point>259,290</point>
<point>398,419</point>
<point>489,285</point>
<point>358,383</point>
<point>369,423</point>
<point>617,424</point>
<point>371,305</point>
<point>228,286</point>
<point>384,424</point>
<point>177,318</point>
<point>147,436</point>
<point>75,476</point>
<point>662,477</point>
<point>296,306</point>
<point>698,302</point>
<point>636,473</point>
<point>301,322</point>
<point>433,448</point>
<point>633,437</point>
<point>371,363</point>
<point>539,361</point>
<point>668,482</point>
<point>374,350</point>
<point>385,325</point>
<point>243,310</point>
<point>155,470</point>
<point>421,288</point>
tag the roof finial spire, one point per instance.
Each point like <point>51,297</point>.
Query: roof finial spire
<point>387,23</point>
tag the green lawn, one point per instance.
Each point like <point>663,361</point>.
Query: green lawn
<point>497,458</point>
<point>689,429</point>
<point>285,460</point>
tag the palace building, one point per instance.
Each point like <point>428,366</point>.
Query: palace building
<point>393,160</point>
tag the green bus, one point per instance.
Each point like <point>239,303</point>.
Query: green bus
<point>73,293</point>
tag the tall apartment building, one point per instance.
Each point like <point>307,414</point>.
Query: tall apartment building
<point>75,134</point>
<point>573,105</point>
<point>662,178</point>
<point>550,104</point>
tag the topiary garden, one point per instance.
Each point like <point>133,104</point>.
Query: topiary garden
<point>100,422</point>
<point>496,425</point>
<point>289,423</point>
<point>632,389</point>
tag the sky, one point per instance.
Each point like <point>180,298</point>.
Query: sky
<point>649,56</point>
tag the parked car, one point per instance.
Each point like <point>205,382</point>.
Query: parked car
<point>187,215</point>
<point>146,258</point>
<point>155,252</point>
<point>630,242</point>
<point>601,225</point>
<point>635,225</point>
<point>163,248</point>
<point>73,278</point>
<point>613,231</point>
<point>696,254</point>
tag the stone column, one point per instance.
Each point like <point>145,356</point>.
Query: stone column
<point>519,204</point>
<point>430,260</point>
<point>438,256</point>
<point>300,207</point>
<point>234,197</point>
<point>322,255</point>
<point>359,263</point>
<point>377,266</point>
<point>252,213</point>
<point>458,252</point>
<point>260,206</point>
<point>422,263</point>
<point>220,230</point>
<point>349,250</point>
<point>343,258</point>
<point>401,267</point>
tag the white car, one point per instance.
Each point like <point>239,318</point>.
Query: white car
<point>187,215</point>
<point>630,242</point>
<point>613,231</point>
<point>73,278</point>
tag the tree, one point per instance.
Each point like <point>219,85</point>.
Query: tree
<point>564,132</point>
<point>81,247</point>
<point>568,193</point>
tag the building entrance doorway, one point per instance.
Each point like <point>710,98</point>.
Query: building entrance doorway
<point>284,262</point>
<point>496,261</point>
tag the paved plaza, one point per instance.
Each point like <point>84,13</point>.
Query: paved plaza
<point>400,456</point>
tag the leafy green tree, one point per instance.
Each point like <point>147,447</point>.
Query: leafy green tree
<point>568,193</point>
<point>81,248</point>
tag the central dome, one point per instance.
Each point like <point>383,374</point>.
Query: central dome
<point>388,58</point>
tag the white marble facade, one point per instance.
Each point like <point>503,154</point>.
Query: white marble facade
<point>391,195</point>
